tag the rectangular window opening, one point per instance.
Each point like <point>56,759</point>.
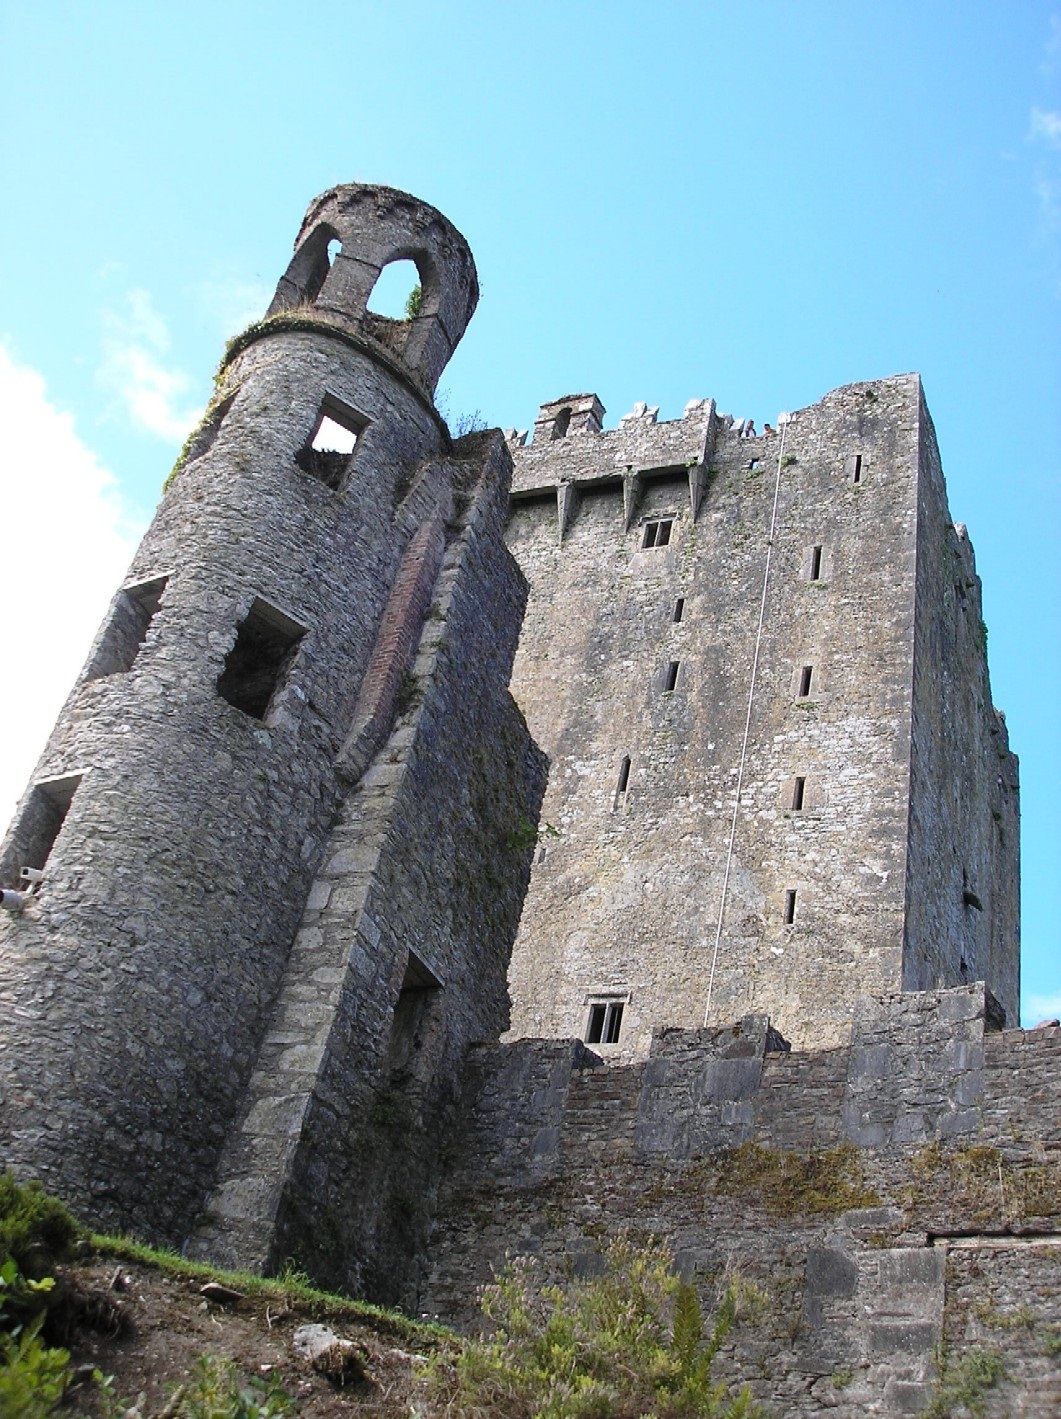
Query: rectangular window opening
<point>135,607</point>
<point>256,666</point>
<point>679,609</point>
<point>790,906</point>
<point>856,468</point>
<point>605,1022</point>
<point>335,435</point>
<point>657,534</point>
<point>38,828</point>
<point>798,790</point>
<point>670,678</point>
<point>415,1019</point>
<point>816,564</point>
<point>804,681</point>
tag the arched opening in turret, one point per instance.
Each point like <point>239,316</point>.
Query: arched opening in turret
<point>561,424</point>
<point>301,283</point>
<point>398,293</point>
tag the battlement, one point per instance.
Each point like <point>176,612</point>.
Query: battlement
<point>858,1185</point>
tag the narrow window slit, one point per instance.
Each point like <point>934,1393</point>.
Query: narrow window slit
<point>856,468</point>
<point>670,679</point>
<point>257,664</point>
<point>798,790</point>
<point>790,906</point>
<point>624,774</point>
<point>679,609</point>
<point>816,564</point>
<point>804,681</point>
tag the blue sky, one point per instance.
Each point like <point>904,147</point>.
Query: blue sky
<point>751,201</point>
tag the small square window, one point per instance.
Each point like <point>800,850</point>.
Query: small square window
<point>326,456</point>
<point>256,665</point>
<point>132,612</point>
<point>605,1022</point>
<point>657,534</point>
<point>34,834</point>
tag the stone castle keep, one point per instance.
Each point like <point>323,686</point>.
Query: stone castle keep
<point>460,846</point>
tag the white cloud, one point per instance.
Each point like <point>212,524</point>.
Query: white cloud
<point>1046,125</point>
<point>134,370</point>
<point>68,539</point>
<point>1042,1007</point>
<point>234,304</point>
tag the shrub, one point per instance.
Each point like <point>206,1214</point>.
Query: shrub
<point>35,1229</point>
<point>627,1343</point>
<point>33,1377</point>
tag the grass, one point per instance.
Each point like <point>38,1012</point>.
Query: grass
<point>962,1385</point>
<point>290,1285</point>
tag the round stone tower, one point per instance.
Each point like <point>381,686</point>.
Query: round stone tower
<point>160,860</point>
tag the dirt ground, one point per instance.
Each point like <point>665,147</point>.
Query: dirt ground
<point>166,1324</point>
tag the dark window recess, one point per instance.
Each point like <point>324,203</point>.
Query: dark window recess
<point>134,609</point>
<point>414,1018</point>
<point>790,906</point>
<point>561,424</point>
<point>805,676</point>
<point>798,790</point>
<point>605,1022</point>
<point>657,534</point>
<point>679,609</point>
<point>41,821</point>
<point>815,564</point>
<point>624,774</point>
<point>969,897</point>
<point>753,464</point>
<point>670,678</point>
<point>326,456</point>
<point>257,664</point>
<point>856,468</point>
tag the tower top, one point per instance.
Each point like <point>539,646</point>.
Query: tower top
<point>349,234</point>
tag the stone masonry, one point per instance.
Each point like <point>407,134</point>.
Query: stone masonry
<point>310,951</point>
<point>890,1197</point>
<point>875,844</point>
<point>282,816</point>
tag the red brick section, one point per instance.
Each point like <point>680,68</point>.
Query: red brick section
<point>399,635</point>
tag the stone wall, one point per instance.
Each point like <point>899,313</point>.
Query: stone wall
<point>963,885</point>
<point>858,1186</point>
<point>135,985</point>
<point>402,956</point>
<point>299,800</point>
<point>821,902</point>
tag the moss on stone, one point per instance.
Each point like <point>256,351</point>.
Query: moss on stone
<point>797,1184</point>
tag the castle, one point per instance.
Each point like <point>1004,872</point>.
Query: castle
<point>347,922</point>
